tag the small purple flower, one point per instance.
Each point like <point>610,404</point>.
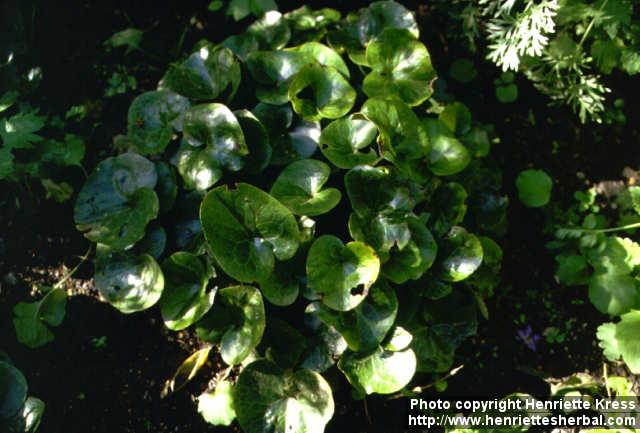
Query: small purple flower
<point>528,337</point>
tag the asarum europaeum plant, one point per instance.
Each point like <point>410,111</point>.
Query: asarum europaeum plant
<point>303,163</point>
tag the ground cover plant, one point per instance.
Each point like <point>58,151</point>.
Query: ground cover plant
<point>243,200</point>
<point>294,218</point>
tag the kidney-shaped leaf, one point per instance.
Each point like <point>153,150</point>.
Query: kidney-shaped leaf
<point>245,229</point>
<point>461,255</point>
<point>205,74</point>
<point>31,319</point>
<point>340,275</point>
<point>626,335</point>
<point>185,298</point>
<point>270,400</point>
<point>151,119</point>
<point>401,66</point>
<point>344,141</point>
<point>613,293</point>
<point>299,187</point>
<point>380,371</point>
<point>13,390</point>
<point>318,92</point>
<point>236,322</point>
<point>117,201</point>
<point>128,282</point>
<point>215,128</point>
<point>448,155</point>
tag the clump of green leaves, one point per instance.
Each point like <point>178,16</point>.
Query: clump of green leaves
<point>597,249</point>
<point>296,164</point>
<point>19,413</point>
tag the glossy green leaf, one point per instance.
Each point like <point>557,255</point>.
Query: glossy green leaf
<point>365,326</point>
<point>185,298</point>
<point>284,343</point>
<point>214,142</point>
<point>374,190</point>
<point>13,390</point>
<point>401,66</point>
<point>402,136</point>
<point>117,201</point>
<point>237,322</point>
<point>299,187</point>
<point>398,339</point>
<point>457,117</point>
<point>257,139</point>
<point>340,275</point>
<point>344,142</point>
<point>271,31</point>
<point>31,319</point>
<point>318,92</point>
<point>282,287</point>
<point>299,143</point>
<point>205,74</point>
<point>323,55</point>
<point>154,242</point>
<point>270,400</point>
<point>247,231</point>
<point>130,283</point>
<point>216,407</point>
<point>152,117</point>
<point>380,371</point>
<point>534,187</point>
<point>412,260</point>
<point>273,71</point>
<point>461,254</point>
<point>448,155</point>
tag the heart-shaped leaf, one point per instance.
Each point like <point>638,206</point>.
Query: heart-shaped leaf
<point>270,400</point>
<point>31,319</point>
<point>613,293</point>
<point>237,323</point>
<point>166,188</point>
<point>340,275</point>
<point>318,92</point>
<point>205,74</point>
<point>117,201</point>
<point>401,66</point>
<point>13,390</point>
<point>273,71</point>
<point>379,371</point>
<point>448,155</point>
<point>247,230</point>
<point>185,298</point>
<point>213,141</point>
<point>128,282</point>
<point>299,187</point>
<point>342,142</point>
<point>152,117</point>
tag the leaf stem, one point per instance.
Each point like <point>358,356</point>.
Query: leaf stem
<point>590,26</point>
<point>73,271</point>
<point>607,230</point>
